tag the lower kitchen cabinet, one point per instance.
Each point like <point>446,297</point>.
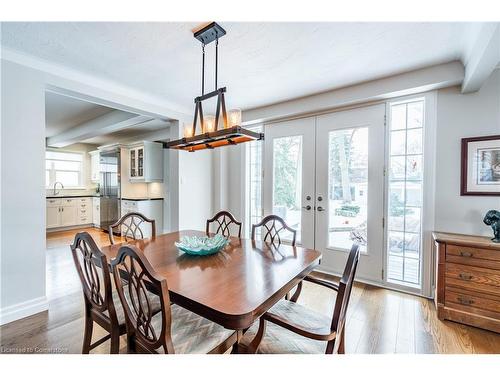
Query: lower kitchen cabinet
<point>151,208</point>
<point>68,212</point>
<point>53,215</point>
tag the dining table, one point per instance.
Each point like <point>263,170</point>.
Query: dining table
<point>233,287</point>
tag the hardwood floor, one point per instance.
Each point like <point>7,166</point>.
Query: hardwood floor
<point>379,320</point>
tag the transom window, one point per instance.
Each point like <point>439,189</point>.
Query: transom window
<point>64,167</point>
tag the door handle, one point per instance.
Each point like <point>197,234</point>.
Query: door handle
<point>307,208</point>
<point>320,208</point>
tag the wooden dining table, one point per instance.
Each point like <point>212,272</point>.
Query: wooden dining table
<point>233,287</point>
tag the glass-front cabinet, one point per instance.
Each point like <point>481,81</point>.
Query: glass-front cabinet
<point>146,162</point>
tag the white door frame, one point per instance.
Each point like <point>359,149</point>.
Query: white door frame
<point>372,261</point>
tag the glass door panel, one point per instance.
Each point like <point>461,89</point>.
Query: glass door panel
<point>289,176</point>
<point>348,188</point>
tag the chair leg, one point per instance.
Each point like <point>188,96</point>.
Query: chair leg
<point>87,334</point>
<point>131,347</point>
<point>115,342</point>
<point>341,345</point>
<point>254,344</point>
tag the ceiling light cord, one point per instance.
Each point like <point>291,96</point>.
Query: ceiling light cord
<point>216,59</point>
<point>203,69</point>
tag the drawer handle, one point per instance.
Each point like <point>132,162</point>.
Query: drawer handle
<point>465,301</point>
<point>465,276</point>
<point>465,254</point>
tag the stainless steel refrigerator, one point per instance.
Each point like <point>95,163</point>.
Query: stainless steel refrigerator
<point>109,167</point>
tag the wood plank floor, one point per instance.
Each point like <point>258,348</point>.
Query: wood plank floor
<point>379,320</point>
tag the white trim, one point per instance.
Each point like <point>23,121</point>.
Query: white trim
<point>21,310</point>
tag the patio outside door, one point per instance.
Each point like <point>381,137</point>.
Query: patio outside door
<point>325,176</point>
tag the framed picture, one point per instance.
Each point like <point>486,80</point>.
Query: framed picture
<point>480,166</point>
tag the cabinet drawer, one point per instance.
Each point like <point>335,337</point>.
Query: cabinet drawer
<point>472,302</point>
<point>473,278</point>
<point>130,204</point>
<point>68,201</point>
<point>53,202</point>
<point>473,256</point>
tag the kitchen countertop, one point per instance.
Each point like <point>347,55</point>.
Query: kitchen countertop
<point>142,199</point>
<point>73,196</point>
<point>97,196</point>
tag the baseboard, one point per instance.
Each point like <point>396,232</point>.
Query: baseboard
<point>373,283</point>
<point>22,310</point>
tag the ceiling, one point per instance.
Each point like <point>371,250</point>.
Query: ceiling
<point>64,112</point>
<point>260,63</point>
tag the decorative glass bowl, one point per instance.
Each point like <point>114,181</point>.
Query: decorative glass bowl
<point>202,245</point>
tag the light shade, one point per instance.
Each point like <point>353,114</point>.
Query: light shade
<point>234,117</point>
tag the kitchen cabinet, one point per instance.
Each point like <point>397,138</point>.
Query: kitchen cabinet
<point>145,162</point>
<point>67,212</point>
<point>94,166</point>
<point>96,213</point>
<point>151,208</point>
<point>53,215</point>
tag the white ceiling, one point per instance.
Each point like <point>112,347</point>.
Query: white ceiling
<point>63,112</point>
<point>260,63</point>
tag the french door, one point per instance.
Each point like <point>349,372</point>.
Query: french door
<point>289,186</point>
<point>325,176</point>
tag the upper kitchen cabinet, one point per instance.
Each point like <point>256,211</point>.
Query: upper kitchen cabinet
<point>94,166</point>
<point>146,162</point>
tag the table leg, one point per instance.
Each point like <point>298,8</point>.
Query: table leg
<point>236,346</point>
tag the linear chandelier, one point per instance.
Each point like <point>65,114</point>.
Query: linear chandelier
<point>210,135</point>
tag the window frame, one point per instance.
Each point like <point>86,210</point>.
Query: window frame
<point>52,171</point>
<point>428,190</point>
<point>246,196</point>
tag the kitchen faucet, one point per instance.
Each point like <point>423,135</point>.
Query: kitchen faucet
<point>55,183</point>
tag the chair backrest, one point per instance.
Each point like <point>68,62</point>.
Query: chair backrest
<point>132,265</point>
<point>344,293</point>
<point>223,221</point>
<point>130,225</point>
<point>92,268</point>
<point>272,225</point>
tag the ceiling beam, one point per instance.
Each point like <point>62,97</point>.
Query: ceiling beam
<point>414,82</point>
<point>483,59</point>
<point>107,123</point>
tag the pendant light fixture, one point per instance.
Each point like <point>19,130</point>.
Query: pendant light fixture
<point>210,135</point>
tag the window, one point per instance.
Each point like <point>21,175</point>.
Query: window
<point>405,192</point>
<point>254,182</point>
<point>64,167</point>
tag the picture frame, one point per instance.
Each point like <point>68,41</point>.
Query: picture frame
<point>480,166</point>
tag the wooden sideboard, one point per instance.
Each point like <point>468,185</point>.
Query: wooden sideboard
<point>468,280</point>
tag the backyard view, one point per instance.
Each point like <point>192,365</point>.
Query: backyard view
<point>348,188</point>
<point>287,177</point>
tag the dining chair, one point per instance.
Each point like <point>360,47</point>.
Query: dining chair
<point>102,306</point>
<point>296,328</point>
<point>223,220</point>
<point>272,226</point>
<point>130,225</point>
<point>175,330</point>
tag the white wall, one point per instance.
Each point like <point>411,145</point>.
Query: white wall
<point>23,192</point>
<point>461,116</point>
